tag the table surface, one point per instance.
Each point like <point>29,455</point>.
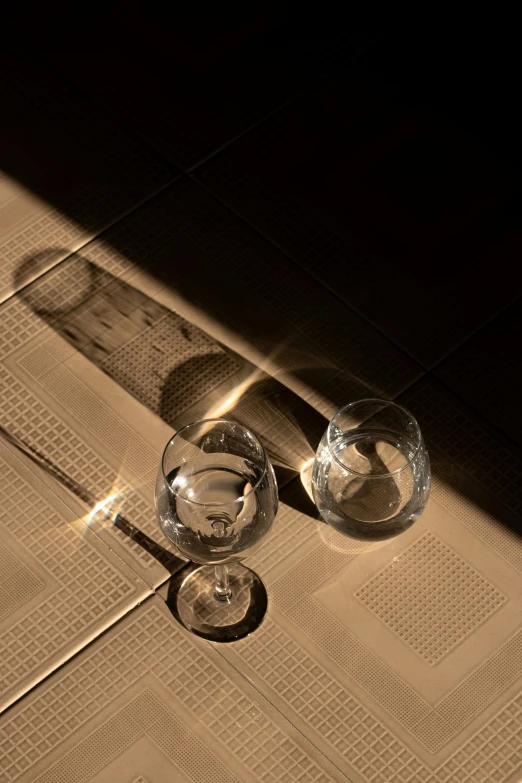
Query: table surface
<point>250,264</point>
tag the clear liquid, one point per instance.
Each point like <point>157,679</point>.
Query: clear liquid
<point>199,511</point>
<point>374,486</point>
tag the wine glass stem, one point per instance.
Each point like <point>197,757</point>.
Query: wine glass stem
<point>222,591</point>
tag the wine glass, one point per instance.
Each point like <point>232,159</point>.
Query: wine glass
<point>216,497</point>
<point>371,477</point>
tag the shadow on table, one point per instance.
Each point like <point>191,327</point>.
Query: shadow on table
<point>169,365</point>
<point>166,363</point>
<point>37,165</point>
<point>181,374</point>
<point>289,427</point>
<point>168,560</point>
<point>158,552</point>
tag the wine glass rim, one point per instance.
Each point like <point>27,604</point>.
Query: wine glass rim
<point>383,402</point>
<point>239,499</point>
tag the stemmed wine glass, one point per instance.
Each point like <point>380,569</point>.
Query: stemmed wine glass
<point>371,477</point>
<point>216,497</point>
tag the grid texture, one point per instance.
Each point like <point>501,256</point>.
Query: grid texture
<point>101,420</point>
<point>499,537</point>
<point>32,421</point>
<point>366,745</point>
<point>433,725</point>
<point>147,716</point>
<point>493,754</point>
<point>353,657</point>
<point>288,178</point>
<point>288,526</point>
<point>19,324</point>
<point>89,585</point>
<point>155,354</point>
<point>430,597</point>
<point>147,642</point>
<point>330,710</point>
<point>17,583</point>
<point>281,659</point>
<point>161,368</point>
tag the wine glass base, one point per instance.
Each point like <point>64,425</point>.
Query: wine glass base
<point>192,600</point>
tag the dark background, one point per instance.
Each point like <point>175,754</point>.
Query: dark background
<point>378,156</point>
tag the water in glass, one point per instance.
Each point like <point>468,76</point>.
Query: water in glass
<point>371,482</point>
<point>199,512</point>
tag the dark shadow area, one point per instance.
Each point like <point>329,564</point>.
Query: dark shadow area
<point>201,79</point>
<point>467,454</point>
<point>48,466</point>
<point>294,494</point>
<point>289,427</point>
<point>190,600</point>
<point>190,77</point>
<point>169,561</point>
<point>166,363</point>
